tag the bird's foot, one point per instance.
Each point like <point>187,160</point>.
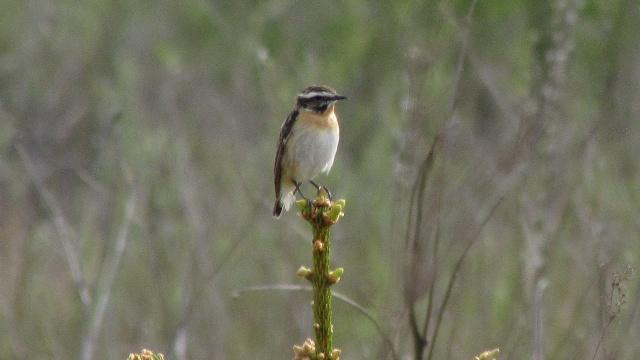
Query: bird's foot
<point>297,190</point>
<point>328,192</point>
<point>319,188</point>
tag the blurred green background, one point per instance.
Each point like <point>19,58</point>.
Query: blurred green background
<point>136,147</point>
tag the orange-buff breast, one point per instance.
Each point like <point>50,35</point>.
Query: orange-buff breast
<point>328,120</point>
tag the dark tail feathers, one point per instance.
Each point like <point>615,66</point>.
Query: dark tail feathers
<point>277,209</point>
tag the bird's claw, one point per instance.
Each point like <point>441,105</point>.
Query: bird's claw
<point>326,190</point>
<point>321,187</point>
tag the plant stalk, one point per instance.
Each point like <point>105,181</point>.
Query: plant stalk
<point>321,214</point>
<point>322,315</point>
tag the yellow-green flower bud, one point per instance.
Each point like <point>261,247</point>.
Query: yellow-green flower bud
<point>334,276</point>
<point>334,213</point>
<point>304,272</point>
<point>302,205</point>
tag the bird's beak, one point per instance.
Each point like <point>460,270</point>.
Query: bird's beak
<point>338,97</point>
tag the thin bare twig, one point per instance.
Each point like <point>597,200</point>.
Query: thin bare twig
<point>66,234</point>
<point>420,338</point>
<point>107,278</point>
<point>461,59</point>
<point>212,272</point>
<point>432,287</point>
<point>601,338</point>
<point>207,281</point>
<point>417,197</point>
<point>538,315</point>
<point>337,295</point>
<point>470,241</point>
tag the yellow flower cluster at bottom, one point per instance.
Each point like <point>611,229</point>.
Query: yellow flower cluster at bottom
<point>488,355</point>
<point>146,355</point>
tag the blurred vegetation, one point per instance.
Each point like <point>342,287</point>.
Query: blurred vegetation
<point>136,149</point>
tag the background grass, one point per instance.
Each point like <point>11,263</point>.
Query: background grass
<point>175,108</point>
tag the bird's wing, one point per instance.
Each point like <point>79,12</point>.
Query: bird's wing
<point>285,131</point>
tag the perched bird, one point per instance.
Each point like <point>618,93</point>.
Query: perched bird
<point>307,144</point>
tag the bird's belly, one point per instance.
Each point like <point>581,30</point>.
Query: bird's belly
<point>311,151</point>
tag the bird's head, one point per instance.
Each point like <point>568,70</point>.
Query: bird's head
<point>318,98</point>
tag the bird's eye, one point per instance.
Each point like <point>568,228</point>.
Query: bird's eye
<point>316,98</point>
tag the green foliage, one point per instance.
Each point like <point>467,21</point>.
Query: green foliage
<point>180,104</point>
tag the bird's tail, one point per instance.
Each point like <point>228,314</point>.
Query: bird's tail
<point>284,202</point>
<point>277,208</point>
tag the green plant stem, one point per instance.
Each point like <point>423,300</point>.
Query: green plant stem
<point>321,214</point>
<point>322,315</point>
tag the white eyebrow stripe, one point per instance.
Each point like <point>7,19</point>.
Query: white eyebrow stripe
<point>315,93</point>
